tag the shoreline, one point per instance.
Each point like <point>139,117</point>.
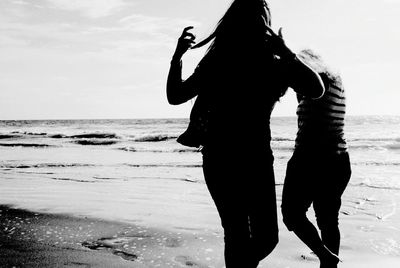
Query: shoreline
<point>31,239</point>
<point>40,239</point>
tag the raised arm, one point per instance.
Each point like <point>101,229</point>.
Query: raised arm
<point>178,90</point>
<point>300,76</point>
<point>304,80</point>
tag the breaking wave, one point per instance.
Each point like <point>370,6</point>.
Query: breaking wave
<point>376,163</point>
<point>165,165</point>
<point>154,138</point>
<point>180,150</point>
<point>373,186</point>
<point>45,165</point>
<point>95,136</point>
<point>9,136</point>
<point>95,142</point>
<point>32,145</point>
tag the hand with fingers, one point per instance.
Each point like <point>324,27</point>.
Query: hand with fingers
<point>185,42</point>
<point>278,44</point>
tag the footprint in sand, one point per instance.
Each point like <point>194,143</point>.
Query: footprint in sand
<point>186,261</point>
<point>125,255</point>
<point>111,243</point>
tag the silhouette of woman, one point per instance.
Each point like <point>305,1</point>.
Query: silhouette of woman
<point>319,169</point>
<point>244,72</point>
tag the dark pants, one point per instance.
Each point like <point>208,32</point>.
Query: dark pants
<point>242,186</point>
<point>317,178</point>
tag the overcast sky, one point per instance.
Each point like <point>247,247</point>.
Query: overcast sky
<point>109,58</point>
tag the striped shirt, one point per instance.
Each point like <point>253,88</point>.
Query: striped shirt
<point>321,121</point>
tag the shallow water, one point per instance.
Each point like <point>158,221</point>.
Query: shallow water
<point>133,170</point>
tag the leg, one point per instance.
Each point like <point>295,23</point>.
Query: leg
<point>297,196</point>
<point>306,231</point>
<point>327,203</point>
<point>327,220</point>
<point>222,180</point>
<point>329,226</point>
<point>262,210</point>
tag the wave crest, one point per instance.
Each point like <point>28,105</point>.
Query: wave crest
<point>165,165</point>
<point>376,163</point>
<point>368,185</point>
<point>9,136</point>
<point>95,142</point>
<point>95,136</point>
<point>46,165</point>
<point>31,145</point>
<point>155,138</point>
<point>181,150</point>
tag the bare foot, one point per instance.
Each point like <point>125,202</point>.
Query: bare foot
<point>329,259</point>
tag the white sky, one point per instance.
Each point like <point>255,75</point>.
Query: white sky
<point>109,58</point>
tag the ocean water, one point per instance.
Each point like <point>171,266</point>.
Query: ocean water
<point>134,170</point>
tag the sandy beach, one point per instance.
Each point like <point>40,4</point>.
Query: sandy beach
<point>30,239</point>
<point>369,223</point>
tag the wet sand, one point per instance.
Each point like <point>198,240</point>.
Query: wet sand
<point>30,239</point>
<point>369,225</point>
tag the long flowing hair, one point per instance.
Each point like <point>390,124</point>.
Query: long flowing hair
<point>242,26</point>
<point>239,14</point>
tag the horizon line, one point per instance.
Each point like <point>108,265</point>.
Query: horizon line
<point>171,118</point>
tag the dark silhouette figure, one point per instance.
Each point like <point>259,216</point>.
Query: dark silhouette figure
<point>244,72</point>
<point>319,169</point>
